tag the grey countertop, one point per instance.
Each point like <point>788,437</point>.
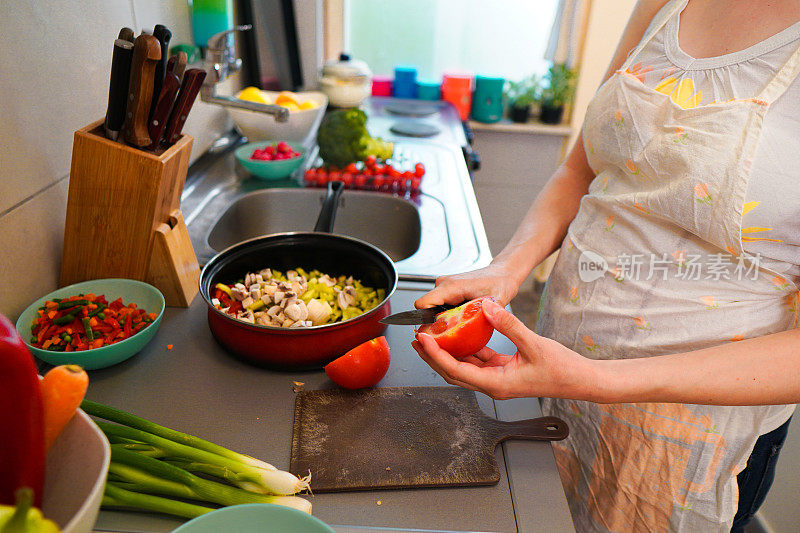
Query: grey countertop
<point>198,388</point>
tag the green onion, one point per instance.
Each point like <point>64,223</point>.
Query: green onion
<point>152,476</point>
<point>119,497</point>
<point>128,419</point>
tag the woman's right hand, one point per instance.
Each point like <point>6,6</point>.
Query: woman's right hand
<point>493,280</point>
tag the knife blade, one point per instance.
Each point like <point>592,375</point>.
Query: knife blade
<point>417,316</point>
<point>118,87</point>
<point>163,35</point>
<point>190,86</point>
<point>146,53</point>
<point>161,109</point>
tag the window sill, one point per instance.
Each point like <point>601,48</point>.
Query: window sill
<point>535,128</point>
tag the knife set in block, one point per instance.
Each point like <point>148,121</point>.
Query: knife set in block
<point>123,217</point>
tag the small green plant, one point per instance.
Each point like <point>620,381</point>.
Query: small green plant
<point>522,93</point>
<point>559,86</point>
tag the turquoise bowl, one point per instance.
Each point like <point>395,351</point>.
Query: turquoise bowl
<point>145,296</point>
<point>269,170</point>
<point>255,517</point>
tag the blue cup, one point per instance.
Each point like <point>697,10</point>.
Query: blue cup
<point>405,82</point>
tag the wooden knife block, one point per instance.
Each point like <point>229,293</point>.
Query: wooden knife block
<point>123,217</point>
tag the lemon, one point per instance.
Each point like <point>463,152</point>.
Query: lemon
<point>286,97</point>
<point>252,94</point>
<point>307,105</point>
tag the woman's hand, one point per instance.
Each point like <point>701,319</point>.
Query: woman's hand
<point>492,280</point>
<point>540,367</point>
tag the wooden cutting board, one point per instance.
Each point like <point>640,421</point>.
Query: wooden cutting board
<point>402,437</point>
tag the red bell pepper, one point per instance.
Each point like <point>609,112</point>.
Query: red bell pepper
<point>22,455</point>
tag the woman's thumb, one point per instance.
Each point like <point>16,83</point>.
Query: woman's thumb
<point>505,322</point>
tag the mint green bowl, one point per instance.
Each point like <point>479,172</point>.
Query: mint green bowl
<point>255,517</point>
<point>269,170</point>
<point>145,297</point>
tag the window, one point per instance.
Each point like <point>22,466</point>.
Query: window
<point>505,38</point>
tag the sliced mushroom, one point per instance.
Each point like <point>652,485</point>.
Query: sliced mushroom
<point>247,302</point>
<point>287,322</point>
<point>297,310</point>
<point>318,311</point>
<point>265,273</point>
<point>255,291</point>
<point>347,297</point>
<point>247,316</point>
<point>259,278</point>
<point>274,310</point>
<point>239,291</point>
<point>277,296</point>
<point>326,280</point>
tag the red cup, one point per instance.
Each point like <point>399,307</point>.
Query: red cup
<point>381,86</point>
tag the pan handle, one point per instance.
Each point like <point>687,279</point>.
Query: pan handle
<point>329,205</point>
<point>542,428</point>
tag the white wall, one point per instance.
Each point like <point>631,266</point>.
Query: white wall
<point>55,57</point>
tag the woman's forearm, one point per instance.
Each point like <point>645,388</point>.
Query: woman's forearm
<point>759,371</point>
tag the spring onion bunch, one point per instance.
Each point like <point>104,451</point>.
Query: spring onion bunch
<point>151,464</point>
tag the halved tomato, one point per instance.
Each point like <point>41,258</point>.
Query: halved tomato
<point>461,331</point>
<point>363,366</point>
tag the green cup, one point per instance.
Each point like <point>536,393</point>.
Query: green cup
<point>487,100</point>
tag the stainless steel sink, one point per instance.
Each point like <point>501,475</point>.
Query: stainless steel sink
<point>438,231</point>
<point>392,224</point>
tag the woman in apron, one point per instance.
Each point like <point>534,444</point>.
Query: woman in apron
<point>666,335</point>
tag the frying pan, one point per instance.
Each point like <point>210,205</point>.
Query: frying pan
<point>335,255</point>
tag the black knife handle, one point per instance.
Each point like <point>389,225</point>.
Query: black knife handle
<point>118,87</point>
<point>163,35</point>
<point>126,34</point>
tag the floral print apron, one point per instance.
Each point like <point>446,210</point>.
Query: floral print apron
<point>653,264</point>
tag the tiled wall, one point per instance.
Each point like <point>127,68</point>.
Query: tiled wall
<point>55,60</point>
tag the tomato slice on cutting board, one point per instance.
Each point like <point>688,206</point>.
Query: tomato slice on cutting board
<point>363,366</point>
<point>461,331</point>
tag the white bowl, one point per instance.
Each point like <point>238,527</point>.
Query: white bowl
<point>75,475</point>
<point>301,126</point>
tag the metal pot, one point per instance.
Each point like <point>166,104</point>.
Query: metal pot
<point>300,348</point>
<point>347,82</point>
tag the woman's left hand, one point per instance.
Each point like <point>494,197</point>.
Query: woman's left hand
<point>541,367</point>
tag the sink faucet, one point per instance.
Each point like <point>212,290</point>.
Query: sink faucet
<point>221,63</point>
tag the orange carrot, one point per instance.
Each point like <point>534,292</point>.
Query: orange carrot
<point>63,388</point>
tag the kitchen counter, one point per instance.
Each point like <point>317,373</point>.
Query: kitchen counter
<point>198,388</point>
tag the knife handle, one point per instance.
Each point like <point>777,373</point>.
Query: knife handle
<point>190,86</point>
<point>177,64</point>
<point>161,109</point>
<point>146,53</point>
<point>126,34</point>
<point>163,35</point>
<point>118,87</point>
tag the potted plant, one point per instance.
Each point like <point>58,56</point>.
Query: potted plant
<point>520,95</point>
<point>559,90</point>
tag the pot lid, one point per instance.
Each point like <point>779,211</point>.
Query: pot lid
<point>346,67</point>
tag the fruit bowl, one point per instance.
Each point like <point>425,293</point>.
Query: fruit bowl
<point>145,296</point>
<point>75,475</point>
<point>277,169</point>
<point>301,127</point>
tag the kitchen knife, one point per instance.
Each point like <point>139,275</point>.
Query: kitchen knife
<point>163,35</point>
<point>190,86</point>
<point>177,64</point>
<point>146,53</point>
<point>126,34</point>
<point>118,87</point>
<point>417,316</point>
<point>161,108</point>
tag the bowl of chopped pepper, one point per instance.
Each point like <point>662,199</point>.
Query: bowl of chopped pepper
<point>94,324</point>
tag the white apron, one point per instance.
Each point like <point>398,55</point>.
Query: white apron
<point>653,264</point>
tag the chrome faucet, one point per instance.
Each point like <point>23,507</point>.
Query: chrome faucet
<point>220,62</point>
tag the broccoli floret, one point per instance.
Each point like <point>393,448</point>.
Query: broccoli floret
<point>343,139</point>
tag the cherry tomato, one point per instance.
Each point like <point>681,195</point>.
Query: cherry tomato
<point>392,172</point>
<point>310,175</point>
<point>419,170</point>
<point>347,179</point>
<point>334,175</point>
<point>352,168</point>
<point>380,170</point>
<point>461,331</point>
<point>360,180</point>
<point>363,366</point>
<point>371,160</point>
<point>378,181</point>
